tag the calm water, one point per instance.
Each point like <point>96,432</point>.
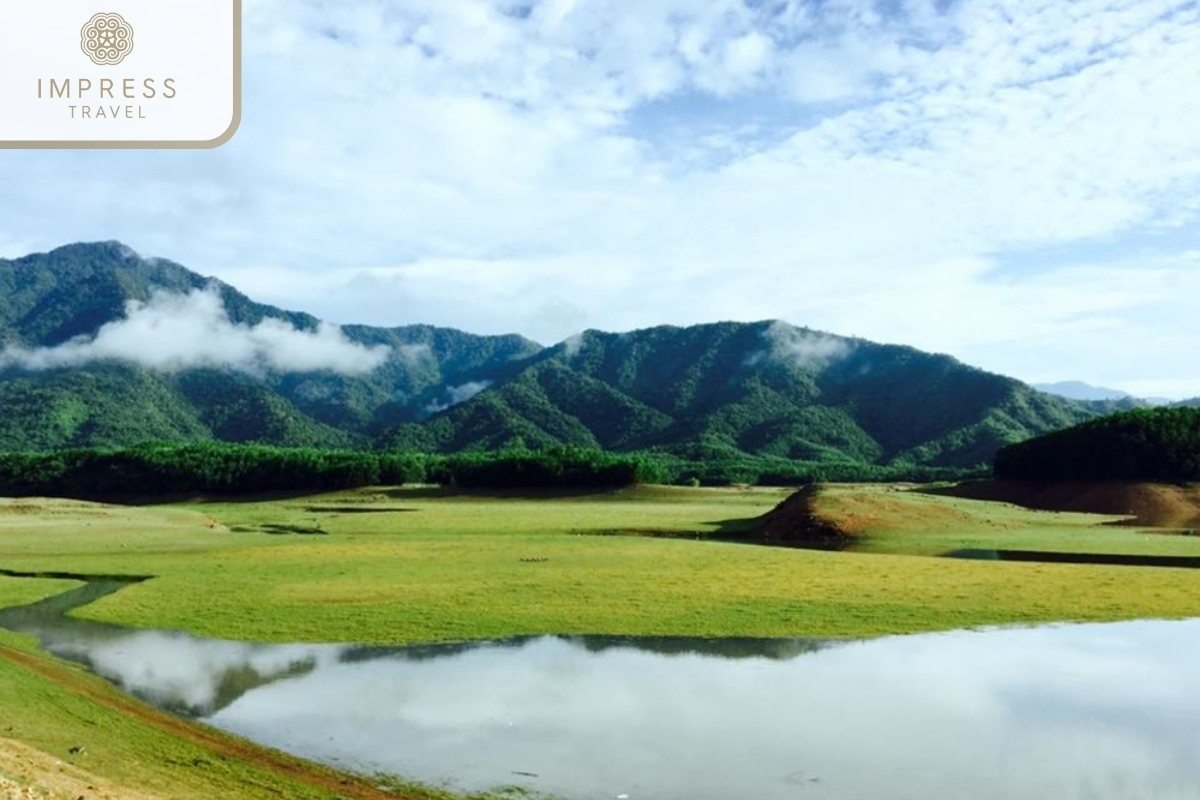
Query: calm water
<point>1090,712</point>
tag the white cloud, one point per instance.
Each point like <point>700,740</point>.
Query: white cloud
<point>936,174</point>
<point>416,353</point>
<point>179,669</point>
<point>457,395</point>
<point>461,394</point>
<point>806,350</point>
<point>173,332</point>
<point>572,345</point>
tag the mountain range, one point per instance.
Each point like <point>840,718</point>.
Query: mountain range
<point>100,347</point>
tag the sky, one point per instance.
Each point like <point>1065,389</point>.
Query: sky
<point>1013,182</point>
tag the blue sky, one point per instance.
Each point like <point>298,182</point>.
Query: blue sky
<point>1013,182</point>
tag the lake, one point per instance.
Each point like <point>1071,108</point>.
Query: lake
<point>1093,712</point>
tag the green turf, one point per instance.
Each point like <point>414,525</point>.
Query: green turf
<point>21,591</point>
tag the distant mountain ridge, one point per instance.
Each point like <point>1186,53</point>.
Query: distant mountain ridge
<point>722,390</point>
<point>1078,390</point>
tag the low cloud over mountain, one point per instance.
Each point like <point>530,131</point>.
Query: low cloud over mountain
<point>173,332</point>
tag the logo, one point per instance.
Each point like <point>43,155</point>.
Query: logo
<point>73,78</point>
<point>107,39</point>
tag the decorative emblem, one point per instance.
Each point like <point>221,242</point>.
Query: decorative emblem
<point>107,39</point>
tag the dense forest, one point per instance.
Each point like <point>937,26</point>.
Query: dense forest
<point>1160,444</point>
<point>221,469</point>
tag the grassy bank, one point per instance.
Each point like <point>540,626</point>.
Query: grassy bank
<point>68,734</point>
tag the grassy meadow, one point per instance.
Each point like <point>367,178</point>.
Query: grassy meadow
<point>391,566</point>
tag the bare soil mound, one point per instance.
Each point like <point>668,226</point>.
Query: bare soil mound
<point>795,522</point>
<point>1156,505</point>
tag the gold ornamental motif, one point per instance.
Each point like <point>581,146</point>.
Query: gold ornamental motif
<point>107,39</point>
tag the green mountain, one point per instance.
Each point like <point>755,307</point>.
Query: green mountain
<point>55,299</point>
<point>76,370</point>
<point>762,389</point>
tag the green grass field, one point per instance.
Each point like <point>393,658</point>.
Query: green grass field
<point>20,591</point>
<point>410,565</point>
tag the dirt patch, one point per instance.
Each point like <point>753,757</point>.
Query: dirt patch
<point>213,524</point>
<point>1155,505</point>
<point>43,506</point>
<point>796,522</point>
<point>29,774</point>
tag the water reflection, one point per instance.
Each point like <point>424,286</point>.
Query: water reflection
<point>186,675</point>
<point>1092,712</point>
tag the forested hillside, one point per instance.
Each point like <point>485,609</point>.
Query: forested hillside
<point>1160,444</point>
<point>761,389</point>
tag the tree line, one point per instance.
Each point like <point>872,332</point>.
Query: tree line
<point>215,468</point>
